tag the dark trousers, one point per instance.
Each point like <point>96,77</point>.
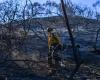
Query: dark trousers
<point>53,56</point>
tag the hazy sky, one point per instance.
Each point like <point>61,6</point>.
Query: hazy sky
<point>88,3</point>
<point>83,2</point>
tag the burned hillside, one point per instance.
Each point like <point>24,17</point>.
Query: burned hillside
<point>24,41</point>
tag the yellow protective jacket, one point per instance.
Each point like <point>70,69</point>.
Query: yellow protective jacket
<point>52,39</point>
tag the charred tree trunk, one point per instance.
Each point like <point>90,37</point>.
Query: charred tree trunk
<point>96,41</point>
<point>78,62</point>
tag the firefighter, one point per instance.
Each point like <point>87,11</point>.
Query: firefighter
<point>54,47</point>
